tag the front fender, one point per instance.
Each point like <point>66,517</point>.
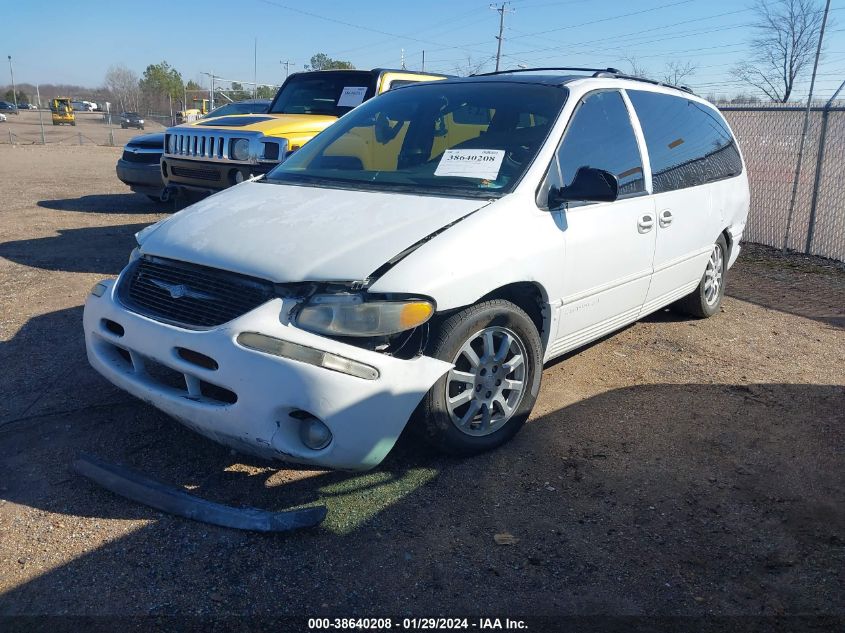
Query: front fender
<point>509,241</point>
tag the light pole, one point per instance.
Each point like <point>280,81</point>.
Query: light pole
<point>14,90</point>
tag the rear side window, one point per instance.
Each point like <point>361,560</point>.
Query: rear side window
<point>398,83</point>
<point>688,142</point>
<point>600,136</point>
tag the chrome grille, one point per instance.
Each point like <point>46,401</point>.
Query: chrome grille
<point>188,294</point>
<point>198,145</point>
<point>213,145</point>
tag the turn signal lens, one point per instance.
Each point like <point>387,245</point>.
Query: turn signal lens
<point>415,313</point>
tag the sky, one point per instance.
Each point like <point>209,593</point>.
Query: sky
<point>79,45</point>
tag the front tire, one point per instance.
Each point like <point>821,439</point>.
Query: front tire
<point>486,398</point>
<point>706,299</point>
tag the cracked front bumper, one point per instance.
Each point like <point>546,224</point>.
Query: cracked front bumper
<point>364,416</point>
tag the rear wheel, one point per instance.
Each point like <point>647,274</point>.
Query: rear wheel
<point>706,299</point>
<point>486,398</point>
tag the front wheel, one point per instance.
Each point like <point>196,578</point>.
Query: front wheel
<point>486,398</point>
<point>706,299</point>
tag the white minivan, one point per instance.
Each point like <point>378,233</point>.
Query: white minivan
<point>419,260</point>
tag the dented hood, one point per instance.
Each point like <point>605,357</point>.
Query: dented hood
<point>287,233</point>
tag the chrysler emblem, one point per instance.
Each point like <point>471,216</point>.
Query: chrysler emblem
<point>177,291</point>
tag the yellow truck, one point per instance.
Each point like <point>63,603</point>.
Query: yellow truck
<point>210,155</point>
<point>62,111</point>
<point>192,114</point>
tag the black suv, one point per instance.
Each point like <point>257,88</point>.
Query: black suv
<point>8,108</point>
<point>131,119</point>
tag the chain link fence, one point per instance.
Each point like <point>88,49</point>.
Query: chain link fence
<point>769,136</point>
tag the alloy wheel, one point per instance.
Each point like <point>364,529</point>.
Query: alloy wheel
<point>713,275</point>
<point>486,386</point>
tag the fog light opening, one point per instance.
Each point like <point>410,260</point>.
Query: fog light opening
<point>236,176</point>
<point>313,432</point>
<point>113,327</point>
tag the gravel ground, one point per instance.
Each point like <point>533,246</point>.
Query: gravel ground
<point>679,467</point>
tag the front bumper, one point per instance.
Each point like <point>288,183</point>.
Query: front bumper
<point>364,416</point>
<point>141,177</point>
<point>199,175</point>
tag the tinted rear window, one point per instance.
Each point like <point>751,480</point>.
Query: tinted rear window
<point>688,142</point>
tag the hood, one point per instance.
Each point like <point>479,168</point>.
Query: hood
<point>267,124</point>
<point>155,139</point>
<point>287,233</point>
<point>232,120</point>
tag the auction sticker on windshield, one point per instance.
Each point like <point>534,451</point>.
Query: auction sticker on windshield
<point>352,96</point>
<point>471,163</point>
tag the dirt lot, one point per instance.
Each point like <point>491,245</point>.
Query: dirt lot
<point>679,467</point>
<point>91,129</point>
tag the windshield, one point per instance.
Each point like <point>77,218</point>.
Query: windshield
<point>454,139</point>
<point>326,93</point>
<point>239,108</point>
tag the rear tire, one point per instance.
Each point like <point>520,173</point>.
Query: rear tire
<point>706,299</point>
<point>484,401</point>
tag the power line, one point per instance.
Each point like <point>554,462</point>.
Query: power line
<point>361,26</point>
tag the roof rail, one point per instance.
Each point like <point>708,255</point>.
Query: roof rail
<point>597,72</point>
<point>612,71</point>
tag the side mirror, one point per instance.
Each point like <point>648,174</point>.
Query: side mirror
<point>589,185</point>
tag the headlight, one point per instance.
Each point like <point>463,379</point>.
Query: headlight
<point>240,149</point>
<point>350,315</point>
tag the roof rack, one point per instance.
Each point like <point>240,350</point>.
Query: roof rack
<point>529,70</point>
<point>597,72</point>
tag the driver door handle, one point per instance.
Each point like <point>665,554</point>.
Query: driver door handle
<point>665,218</point>
<point>645,223</point>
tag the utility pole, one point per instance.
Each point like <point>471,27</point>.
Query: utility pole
<point>287,64</point>
<point>403,59</point>
<point>255,71</point>
<point>502,10</point>
<point>804,132</point>
<point>423,64</point>
<point>14,90</point>
<point>40,114</point>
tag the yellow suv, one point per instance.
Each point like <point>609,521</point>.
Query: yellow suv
<point>212,154</point>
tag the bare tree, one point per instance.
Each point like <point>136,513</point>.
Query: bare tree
<point>470,66</point>
<point>637,69</point>
<point>786,36</point>
<point>123,84</point>
<point>676,72</point>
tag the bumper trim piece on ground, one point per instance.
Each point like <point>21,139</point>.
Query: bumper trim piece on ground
<point>137,487</point>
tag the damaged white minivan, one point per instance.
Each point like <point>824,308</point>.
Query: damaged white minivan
<point>420,259</point>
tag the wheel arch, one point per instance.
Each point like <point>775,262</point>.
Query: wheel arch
<point>729,240</point>
<point>532,298</point>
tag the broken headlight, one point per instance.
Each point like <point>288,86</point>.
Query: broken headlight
<point>354,315</point>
